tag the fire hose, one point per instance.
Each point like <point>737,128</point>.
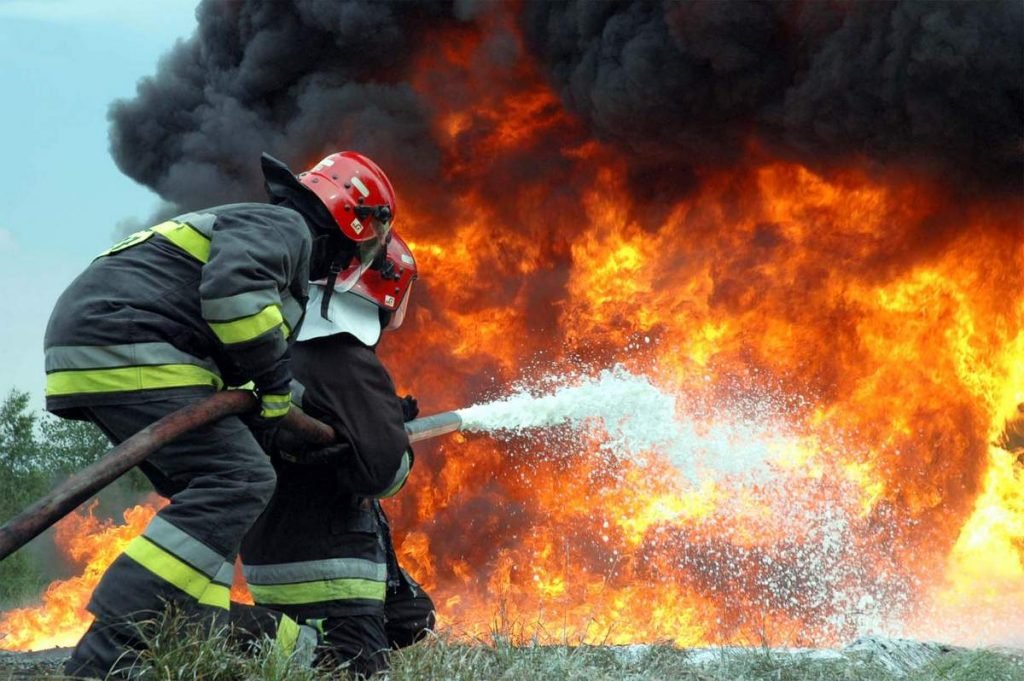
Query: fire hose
<point>67,496</point>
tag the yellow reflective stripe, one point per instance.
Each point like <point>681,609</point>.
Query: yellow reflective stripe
<point>186,238</point>
<point>318,592</point>
<point>217,596</point>
<point>273,413</point>
<point>168,567</point>
<point>122,379</point>
<point>250,327</point>
<point>128,242</point>
<point>287,635</point>
<point>275,406</point>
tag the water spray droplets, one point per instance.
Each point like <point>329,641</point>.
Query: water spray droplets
<point>740,440</point>
<point>629,417</point>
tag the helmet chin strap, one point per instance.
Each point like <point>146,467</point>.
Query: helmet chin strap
<point>340,262</point>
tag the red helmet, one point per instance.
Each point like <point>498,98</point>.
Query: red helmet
<point>388,283</point>
<point>359,197</point>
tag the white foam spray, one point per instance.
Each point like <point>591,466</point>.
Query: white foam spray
<point>631,417</point>
<point>739,442</point>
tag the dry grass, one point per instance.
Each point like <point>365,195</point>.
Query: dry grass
<point>179,652</point>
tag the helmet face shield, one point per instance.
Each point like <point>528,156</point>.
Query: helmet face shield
<point>349,277</point>
<point>366,253</point>
<point>367,256</point>
<point>388,280</point>
<point>399,315</point>
<point>379,218</point>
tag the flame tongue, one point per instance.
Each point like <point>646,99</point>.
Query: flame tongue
<point>877,316</point>
<point>880,313</point>
<point>90,544</point>
<point>880,500</point>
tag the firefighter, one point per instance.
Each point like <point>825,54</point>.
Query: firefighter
<point>321,552</point>
<point>204,301</point>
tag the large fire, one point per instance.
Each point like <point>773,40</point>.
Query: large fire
<point>880,316</point>
<point>90,544</point>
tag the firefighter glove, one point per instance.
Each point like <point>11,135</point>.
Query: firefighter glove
<point>295,450</point>
<point>410,408</point>
<point>274,390</point>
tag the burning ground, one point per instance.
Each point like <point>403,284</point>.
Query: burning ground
<point>800,220</point>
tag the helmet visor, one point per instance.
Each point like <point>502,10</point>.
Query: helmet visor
<point>399,315</point>
<point>367,254</point>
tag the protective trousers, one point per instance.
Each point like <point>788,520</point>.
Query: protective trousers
<point>218,480</point>
<point>251,625</point>
<point>361,643</point>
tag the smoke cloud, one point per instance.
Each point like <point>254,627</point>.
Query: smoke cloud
<point>933,85</point>
<point>295,79</point>
<point>680,86</point>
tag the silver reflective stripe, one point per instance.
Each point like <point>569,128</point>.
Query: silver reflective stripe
<point>184,546</point>
<point>315,570</point>
<point>239,305</point>
<point>399,479</point>
<point>201,222</point>
<point>291,309</point>
<point>226,574</point>
<point>64,357</point>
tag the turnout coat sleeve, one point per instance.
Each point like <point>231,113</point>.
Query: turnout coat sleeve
<point>348,387</point>
<point>253,288</point>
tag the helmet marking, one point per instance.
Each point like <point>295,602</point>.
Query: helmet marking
<point>326,162</point>
<point>360,186</point>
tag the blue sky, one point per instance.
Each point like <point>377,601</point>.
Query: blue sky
<point>62,62</point>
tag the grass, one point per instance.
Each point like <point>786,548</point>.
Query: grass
<point>184,652</point>
<point>438,658</point>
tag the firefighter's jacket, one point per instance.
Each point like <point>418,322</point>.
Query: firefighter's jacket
<point>206,299</point>
<point>322,546</point>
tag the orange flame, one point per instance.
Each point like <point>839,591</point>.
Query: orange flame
<point>880,313</point>
<point>91,545</point>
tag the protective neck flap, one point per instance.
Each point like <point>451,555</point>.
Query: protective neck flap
<point>284,188</point>
<point>346,313</point>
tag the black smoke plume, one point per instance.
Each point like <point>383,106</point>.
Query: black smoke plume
<point>295,79</point>
<point>680,86</point>
<point>935,85</point>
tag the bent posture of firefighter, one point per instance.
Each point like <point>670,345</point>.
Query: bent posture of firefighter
<point>173,314</point>
<point>321,553</point>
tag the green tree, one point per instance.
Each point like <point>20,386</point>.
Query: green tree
<point>20,476</point>
<point>69,445</point>
<point>37,453</point>
<point>21,481</point>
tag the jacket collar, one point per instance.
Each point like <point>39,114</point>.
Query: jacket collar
<point>284,188</point>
